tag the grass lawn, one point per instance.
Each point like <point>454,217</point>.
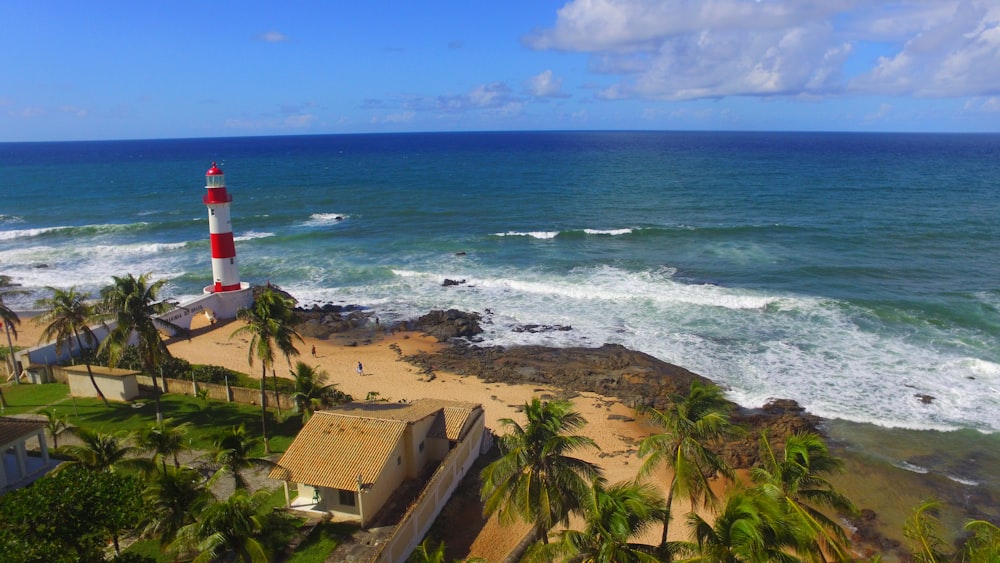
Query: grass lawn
<point>206,417</point>
<point>321,542</point>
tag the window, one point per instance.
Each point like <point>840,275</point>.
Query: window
<point>421,447</point>
<point>399,460</point>
<point>347,498</point>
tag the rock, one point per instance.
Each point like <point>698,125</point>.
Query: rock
<point>925,399</point>
<point>446,325</point>
<point>447,282</point>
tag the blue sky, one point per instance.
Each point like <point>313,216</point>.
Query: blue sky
<point>123,70</point>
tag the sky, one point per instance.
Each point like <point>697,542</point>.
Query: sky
<point>72,70</point>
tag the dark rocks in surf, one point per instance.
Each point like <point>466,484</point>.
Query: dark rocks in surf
<point>446,325</point>
<point>448,282</point>
<point>535,329</point>
<point>323,321</point>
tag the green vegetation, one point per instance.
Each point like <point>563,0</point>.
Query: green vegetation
<point>321,542</point>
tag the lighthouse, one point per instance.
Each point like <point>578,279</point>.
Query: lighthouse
<point>220,228</point>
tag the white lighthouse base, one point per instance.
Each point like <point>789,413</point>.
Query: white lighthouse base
<point>223,304</point>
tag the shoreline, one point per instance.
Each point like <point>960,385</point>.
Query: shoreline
<point>871,478</point>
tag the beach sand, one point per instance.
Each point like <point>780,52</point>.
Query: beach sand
<point>612,425</point>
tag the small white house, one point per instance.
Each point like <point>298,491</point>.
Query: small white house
<point>116,384</point>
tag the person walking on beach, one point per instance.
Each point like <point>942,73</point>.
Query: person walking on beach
<point>361,369</point>
<point>314,350</point>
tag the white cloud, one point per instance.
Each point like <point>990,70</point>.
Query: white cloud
<point>272,37</point>
<point>687,49</point>
<point>546,85</point>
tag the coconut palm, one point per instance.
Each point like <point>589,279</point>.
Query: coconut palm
<point>241,525</point>
<point>311,393</point>
<point>233,452</point>
<point>131,304</point>
<point>175,497</point>
<point>10,321</point>
<point>613,516</point>
<point>269,323</point>
<point>923,530</point>
<point>984,545</point>
<point>424,553</point>
<point>68,314</point>
<point>100,451</point>
<point>691,426</point>
<point>56,425</point>
<point>795,480</point>
<point>751,528</point>
<point>163,440</point>
<point>536,479</point>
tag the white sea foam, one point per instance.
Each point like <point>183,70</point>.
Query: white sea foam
<point>913,468</point>
<point>960,480</point>
<point>542,235</point>
<point>325,219</point>
<point>610,232</point>
<point>250,235</point>
<point>22,233</point>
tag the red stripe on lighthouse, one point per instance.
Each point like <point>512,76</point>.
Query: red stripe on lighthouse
<point>223,245</point>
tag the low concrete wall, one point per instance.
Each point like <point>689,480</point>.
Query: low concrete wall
<point>218,392</point>
<point>413,526</point>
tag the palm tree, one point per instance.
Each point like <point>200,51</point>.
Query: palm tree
<point>310,392</point>
<point>240,525</point>
<point>750,528</point>
<point>795,480</point>
<point>691,425</point>
<point>233,452</point>
<point>68,313</point>
<point>924,532</point>
<point>132,303</point>
<point>175,498</point>
<point>612,515</point>
<point>10,321</point>
<point>424,553</point>
<point>100,452</point>
<point>162,440</point>
<point>535,479</point>
<point>984,545</point>
<point>269,323</point>
<point>56,425</point>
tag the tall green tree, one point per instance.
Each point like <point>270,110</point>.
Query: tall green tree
<point>68,315</point>
<point>233,453</point>
<point>56,425</point>
<point>796,480</point>
<point>131,304</point>
<point>68,516</point>
<point>174,497</point>
<point>984,544</point>
<point>692,425</point>
<point>536,479</point>
<point>425,553</point>
<point>100,451</point>
<point>270,325</point>
<point>242,526</point>
<point>10,321</point>
<point>312,393</point>
<point>613,516</point>
<point>163,439</point>
<point>751,528</point>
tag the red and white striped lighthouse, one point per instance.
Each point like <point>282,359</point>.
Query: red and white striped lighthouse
<point>220,228</point>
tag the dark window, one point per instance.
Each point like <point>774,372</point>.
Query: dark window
<point>421,447</point>
<point>347,498</point>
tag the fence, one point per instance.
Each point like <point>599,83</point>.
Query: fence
<point>420,515</point>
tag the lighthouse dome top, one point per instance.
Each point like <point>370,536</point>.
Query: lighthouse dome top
<point>214,171</point>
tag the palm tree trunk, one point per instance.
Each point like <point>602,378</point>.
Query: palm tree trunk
<point>10,356</point>
<point>277,399</point>
<point>666,513</point>
<point>263,410</point>
<point>79,344</point>
<point>530,539</point>
<point>156,389</point>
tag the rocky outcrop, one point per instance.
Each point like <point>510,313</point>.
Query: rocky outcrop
<point>321,322</point>
<point>637,379</point>
<point>446,325</point>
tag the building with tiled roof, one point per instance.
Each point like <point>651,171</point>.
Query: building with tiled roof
<point>17,468</point>
<point>349,460</point>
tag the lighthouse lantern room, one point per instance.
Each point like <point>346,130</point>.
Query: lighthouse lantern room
<point>220,228</point>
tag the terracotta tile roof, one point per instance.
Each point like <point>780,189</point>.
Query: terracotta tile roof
<point>332,449</point>
<point>336,445</point>
<point>13,429</point>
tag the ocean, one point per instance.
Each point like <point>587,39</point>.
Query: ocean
<point>857,274</point>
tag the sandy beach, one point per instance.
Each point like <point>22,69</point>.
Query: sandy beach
<point>612,425</point>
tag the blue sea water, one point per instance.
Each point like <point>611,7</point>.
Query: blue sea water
<point>850,272</point>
